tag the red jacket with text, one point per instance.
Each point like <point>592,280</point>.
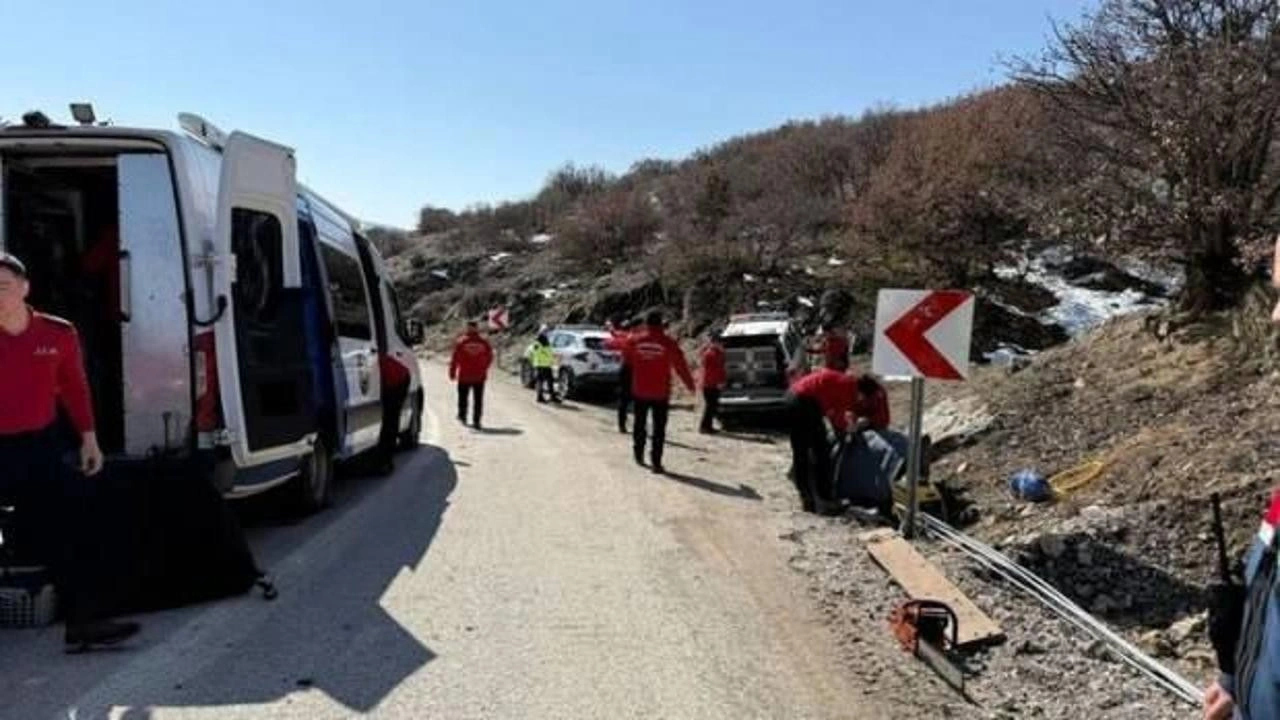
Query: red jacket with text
<point>652,356</point>
<point>472,356</point>
<point>42,367</point>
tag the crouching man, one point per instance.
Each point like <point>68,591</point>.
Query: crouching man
<point>40,368</point>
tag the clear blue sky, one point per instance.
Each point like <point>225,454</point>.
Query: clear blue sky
<point>395,104</point>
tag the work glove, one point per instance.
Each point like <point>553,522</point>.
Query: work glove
<point>1226,615</point>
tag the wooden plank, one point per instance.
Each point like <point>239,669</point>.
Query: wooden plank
<point>922,580</point>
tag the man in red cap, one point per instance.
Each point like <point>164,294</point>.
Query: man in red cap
<point>42,370</point>
<point>653,356</point>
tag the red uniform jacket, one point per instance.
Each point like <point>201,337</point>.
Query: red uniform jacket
<point>834,345</point>
<point>394,373</point>
<point>41,367</point>
<point>652,355</point>
<point>472,356</point>
<point>835,392</point>
<point>713,372</point>
<point>617,342</point>
<point>873,404</point>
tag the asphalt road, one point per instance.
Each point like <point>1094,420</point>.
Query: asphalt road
<point>528,571</point>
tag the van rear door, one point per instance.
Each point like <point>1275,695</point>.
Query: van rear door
<point>264,379</point>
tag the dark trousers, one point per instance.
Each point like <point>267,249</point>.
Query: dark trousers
<point>624,396</point>
<point>475,391</point>
<point>660,409</point>
<point>810,450</point>
<point>710,408</point>
<point>392,403</point>
<point>546,383</point>
<point>52,524</point>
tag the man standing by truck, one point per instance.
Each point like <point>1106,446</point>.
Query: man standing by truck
<point>653,356</point>
<point>713,379</point>
<point>472,357</point>
<point>42,370</point>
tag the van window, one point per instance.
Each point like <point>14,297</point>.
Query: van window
<point>397,318</point>
<point>258,243</point>
<point>350,299</point>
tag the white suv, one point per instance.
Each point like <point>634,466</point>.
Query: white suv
<point>583,362</point>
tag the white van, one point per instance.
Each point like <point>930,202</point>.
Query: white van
<point>241,333</point>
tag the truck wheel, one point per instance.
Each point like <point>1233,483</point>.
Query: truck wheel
<point>564,384</point>
<point>526,375</point>
<point>409,438</point>
<point>311,489</point>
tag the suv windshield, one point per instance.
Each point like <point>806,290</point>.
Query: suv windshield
<point>594,343</point>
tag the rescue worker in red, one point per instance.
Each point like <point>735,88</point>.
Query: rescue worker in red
<point>713,378</point>
<point>872,408</point>
<point>826,395</point>
<point>395,390</point>
<point>832,343</point>
<point>619,335</point>
<point>472,356</point>
<point>42,370</point>
<point>653,356</point>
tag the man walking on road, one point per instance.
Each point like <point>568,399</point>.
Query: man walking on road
<point>826,395</point>
<point>653,356</point>
<point>472,356</point>
<point>619,336</point>
<point>42,369</point>
<point>713,378</point>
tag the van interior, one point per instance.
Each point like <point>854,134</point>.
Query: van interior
<point>61,217</point>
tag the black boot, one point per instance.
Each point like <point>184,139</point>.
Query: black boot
<point>81,637</point>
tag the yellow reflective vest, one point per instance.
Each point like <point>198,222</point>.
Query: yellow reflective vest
<point>541,356</point>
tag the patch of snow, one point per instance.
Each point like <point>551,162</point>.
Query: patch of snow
<point>1006,352</point>
<point>1079,309</point>
<point>810,271</point>
<point>542,238</point>
<point>805,301</point>
<point>548,293</point>
<point>748,277</point>
<point>442,274</point>
<point>499,257</point>
<point>835,261</point>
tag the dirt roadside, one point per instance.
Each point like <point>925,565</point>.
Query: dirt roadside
<point>1044,669</point>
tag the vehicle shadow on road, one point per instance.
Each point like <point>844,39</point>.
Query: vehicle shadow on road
<point>329,631</point>
<point>745,492</point>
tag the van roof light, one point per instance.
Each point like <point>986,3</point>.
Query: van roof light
<point>83,113</point>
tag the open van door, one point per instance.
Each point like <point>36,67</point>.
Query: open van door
<point>264,378</point>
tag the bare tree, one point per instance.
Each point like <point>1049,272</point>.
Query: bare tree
<point>1167,114</point>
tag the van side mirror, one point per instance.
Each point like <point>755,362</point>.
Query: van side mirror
<point>414,331</point>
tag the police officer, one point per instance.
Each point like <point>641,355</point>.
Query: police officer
<point>40,369</point>
<point>543,359</point>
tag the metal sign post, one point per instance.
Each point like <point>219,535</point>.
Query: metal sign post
<point>921,334</point>
<point>914,461</point>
